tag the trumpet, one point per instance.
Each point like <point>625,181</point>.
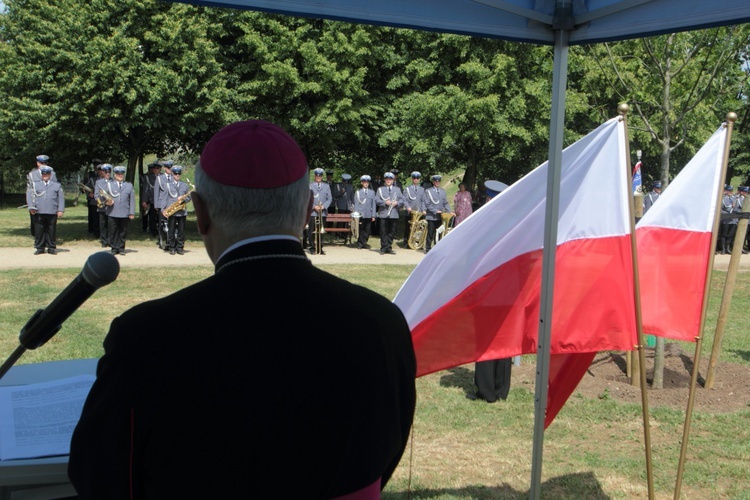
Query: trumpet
<point>84,188</point>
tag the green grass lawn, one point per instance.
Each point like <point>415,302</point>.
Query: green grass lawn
<point>460,449</point>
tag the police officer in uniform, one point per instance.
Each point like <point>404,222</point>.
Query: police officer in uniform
<point>727,226</point>
<point>36,176</point>
<point>120,211</point>
<point>388,200</point>
<point>322,199</point>
<point>146,195</point>
<point>413,202</point>
<point>177,191</point>
<point>46,203</point>
<point>364,203</point>
<point>744,194</point>
<point>101,185</point>
<point>434,203</point>
<point>93,217</point>
<point>159,194</point>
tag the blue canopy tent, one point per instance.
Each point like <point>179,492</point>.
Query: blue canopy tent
<point>548,22</point>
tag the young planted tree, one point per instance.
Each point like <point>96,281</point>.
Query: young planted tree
<point>680,86</point>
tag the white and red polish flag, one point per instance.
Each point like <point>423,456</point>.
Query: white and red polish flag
<point>674,245</point>
<point>476,295</point>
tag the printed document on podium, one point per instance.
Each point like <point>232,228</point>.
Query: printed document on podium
<point>37,420</point>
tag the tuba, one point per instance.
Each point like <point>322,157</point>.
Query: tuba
<point>180,204</point>
<point>354,224</point>
<point>443,230</point>
<point>418,230</point>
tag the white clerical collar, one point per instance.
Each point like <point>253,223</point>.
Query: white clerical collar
<point>257,239</point>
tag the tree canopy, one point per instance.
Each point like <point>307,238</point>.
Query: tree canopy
<point>117,80</point>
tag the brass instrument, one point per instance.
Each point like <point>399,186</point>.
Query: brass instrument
<point>180,204</point>
<point>318,232</point>
<point>104,198</point>
<point>354,224</point>
<point>418,234</point>
<point>84,188</point>
<point>443,230</point>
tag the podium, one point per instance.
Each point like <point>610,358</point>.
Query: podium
<point>40,478</point>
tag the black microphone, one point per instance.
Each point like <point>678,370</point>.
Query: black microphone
<point>100,269</point>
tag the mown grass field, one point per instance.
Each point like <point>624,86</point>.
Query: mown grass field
<point>460,449</point>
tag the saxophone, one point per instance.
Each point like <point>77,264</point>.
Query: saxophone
<point>418,230</point>
<point>180,204</point>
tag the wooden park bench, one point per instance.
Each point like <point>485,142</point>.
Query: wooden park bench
<point>339,223</point>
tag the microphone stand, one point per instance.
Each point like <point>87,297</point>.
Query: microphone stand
<point>100,270</point>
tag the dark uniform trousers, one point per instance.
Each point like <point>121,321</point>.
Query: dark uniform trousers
<point>103,229</point>
<point>45,228</point>
<point>153,220</point>
<point>387,233</point>
<point>492,379</point>
<point>432,226</point>
<point>176,232</point>
<point>118,232</point>
<point>365,224</point>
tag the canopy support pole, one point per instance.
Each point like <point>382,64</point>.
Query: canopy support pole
<point>552,209</point>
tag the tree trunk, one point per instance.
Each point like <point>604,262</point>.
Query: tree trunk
<point>470,174</point>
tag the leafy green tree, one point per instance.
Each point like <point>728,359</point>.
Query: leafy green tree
<point>318,79</point>
<point>112,80</point>
<point>478,104</point>
<point>680,86</point>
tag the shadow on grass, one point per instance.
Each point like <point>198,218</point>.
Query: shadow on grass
<point>459,377</point>
<point>745,355</point>
<point>579,485</point>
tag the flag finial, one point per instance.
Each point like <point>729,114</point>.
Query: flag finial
<point>732,116</point>
<point>623,108</point>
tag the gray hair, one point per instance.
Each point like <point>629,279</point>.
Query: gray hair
<point>249,212</point>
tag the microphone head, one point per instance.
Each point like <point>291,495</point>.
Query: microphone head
<point>100,269</point>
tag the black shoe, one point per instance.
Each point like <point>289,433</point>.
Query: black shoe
<point>104,245</point>
<point>180,252</point>
<point>52,251</point>
<point>39,251</point>
<point>382,252</point>
<point>171,252</point>
<point>113,251</point>
<point>391,252</point>
<point>359,247</point>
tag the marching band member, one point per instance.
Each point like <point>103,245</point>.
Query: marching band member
<point>322,198</point>
<point>36,176</point>
<point>434,203</point>
<point>149,215</point>
<point>93,217</point>
<point>46,203</point>
<point>388,200</point>
<point>364,203</point>
<point>177,191</point>
<point>412,201</point>
<point>120,210</point>
<point>159,195</point>
<point>104,172</point>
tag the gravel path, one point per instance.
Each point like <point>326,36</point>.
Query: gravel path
<point>150,256</point>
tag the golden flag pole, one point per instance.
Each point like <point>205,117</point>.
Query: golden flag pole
<point>731,118</point>
<point>638,368</point>
<point>726,298</point>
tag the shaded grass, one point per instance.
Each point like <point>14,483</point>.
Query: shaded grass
<point>463,449</point>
